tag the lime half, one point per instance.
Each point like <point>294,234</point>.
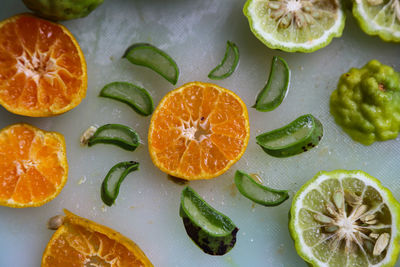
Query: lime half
<point>379,17</point>
<point>295,25</point>
<point>345,218</point>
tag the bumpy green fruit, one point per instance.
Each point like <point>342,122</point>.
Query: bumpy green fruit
<point>366,103</point>
<point>62,9</point>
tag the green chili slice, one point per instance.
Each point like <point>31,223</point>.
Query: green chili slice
<point>258,193</point>
<point>114,178</point>
<point>116,134</point>
<point>298,136</point>
<point>273,93</point>
<point>153,58</point>
<point>134,96</point>
<point>228,63</point>
<point>211,230</point>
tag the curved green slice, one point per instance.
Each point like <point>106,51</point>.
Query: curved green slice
<point>114,178</point>
<point>379,17</point>
<point>212,231</point>
<point>273,93</point>
<point>134,96</point>
<point>258,193</point>
<point>295,25</point>
<point>335,203</point>
<point>298,136</point>
<point>228,63</point>
<point>149,56</point>
<point>116,134</point>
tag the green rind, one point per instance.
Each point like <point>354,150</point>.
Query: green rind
<point>230,46</point>
<point>210,243</point>
<point>300,146</point>
<point>106,195</point>
<point>271,45</point>
<point>368,29</point>
<point>146,96</point>
<point>273,104</point>
<point>153,65</point>
<point>239,176</point>
<point>129,145</point>
<point>395,205</point>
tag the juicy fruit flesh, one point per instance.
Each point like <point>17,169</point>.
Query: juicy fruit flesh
<point>40,67</point>
<point>198,131</point>
<point>31,165</point>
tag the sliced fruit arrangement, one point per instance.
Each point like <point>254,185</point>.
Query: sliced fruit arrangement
<point>295,25</point>
<point>212,231</point>
<point>42,68</point>
<point>298,136</point>
<point>149,56</point>
<point>81,242</point>
<point>379,17</point>
<point>257,192</point>
<point>33,166</point>
<point>228,63</point>
<point>198,131</point>
<point>345,218</point>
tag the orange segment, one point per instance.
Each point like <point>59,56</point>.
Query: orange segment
<point>81,242</point>
<point>42,68</point>
<point>198,131</point>
<point>33,166</point>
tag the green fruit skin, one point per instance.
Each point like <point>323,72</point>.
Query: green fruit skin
<point>62,9</point>
<point>366,103</point>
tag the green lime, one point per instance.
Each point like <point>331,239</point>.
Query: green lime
<point>345,218</point>
<point>379,17</point>
<point>295,25</point>
<point>62,9</point>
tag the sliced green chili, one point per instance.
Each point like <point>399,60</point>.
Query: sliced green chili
<point>273,93</point>
<point>134,96</point>
<point>116,134</point>
<point>228,63</point>
<point>113,180</point>
<point>298,136</point>
<point>211,230</point>
<point>153,58</point>
<point>258,193</point>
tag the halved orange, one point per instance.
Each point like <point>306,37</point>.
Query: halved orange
<point>81,242</point>
<point>33,166</point>
<point>198,131</point>
<point>42,68</point>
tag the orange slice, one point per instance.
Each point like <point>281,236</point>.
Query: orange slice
<point>42,68</point>
<point>198,131</point>
<point>33,166</point>
<point>81,242</point>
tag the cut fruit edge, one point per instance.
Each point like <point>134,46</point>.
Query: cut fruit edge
<point>304,250</point>
<point>311,46</point>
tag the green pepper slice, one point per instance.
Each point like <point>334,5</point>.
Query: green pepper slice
<point>228,64</point>
<point>114,178</point>
<point>298,136</point>
<point>209,229</point>
<point>116,134</point>
<point>276,89</point>
<point>134,96</point>
<point>149,56</point>
<point>258,193</point>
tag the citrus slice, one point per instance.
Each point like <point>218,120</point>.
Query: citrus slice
<point>379,17</point>
<point>198,131</point>
<point>295,25</point>
<point>81,242</point>
<point>42,68</point>
<point>345,218</point>
<point>33,166</point>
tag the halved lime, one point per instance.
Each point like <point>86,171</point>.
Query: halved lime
<point>345,218</point>
<point>295,25</point>
<point>379,17</point>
